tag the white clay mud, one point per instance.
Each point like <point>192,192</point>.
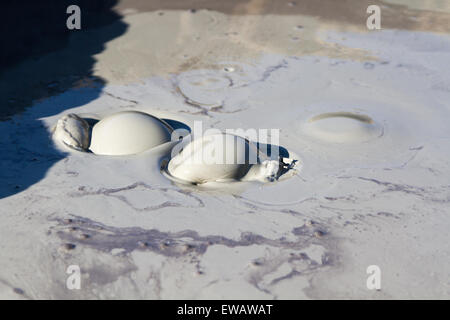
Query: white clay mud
<point>128,132</point>
<point>73,132</point>
<point>217,157</point>
<point>221,157</point>
<point>341,127</point>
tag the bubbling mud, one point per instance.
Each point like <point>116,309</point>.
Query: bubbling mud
<point>342,127</point>
<point>222,158</point>
<point>219,157</point>
<point>128,132</point>
<point>122,133</point>
<point>72,131</point>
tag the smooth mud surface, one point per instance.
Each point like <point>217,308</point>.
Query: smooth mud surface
<point>128,132</point>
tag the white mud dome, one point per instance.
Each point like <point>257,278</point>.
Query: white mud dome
<point>211,158</point>
<point>341,127</point>
<point>128,132</point>
<point>221,158</point>
<point>122,133</point>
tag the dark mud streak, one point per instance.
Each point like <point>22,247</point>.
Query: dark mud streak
<point>206,109</point>
<point>309,267</point>
<point>330,258</point>
<point>272,69</point>
<point>428,193</point>
<point>203,108</point>
<point>290,275</point>
<point>171,244</point>
<point>115,193</point>
<point>15,290</point>
<point>189,244</point>
<point>134,102</point>
<point>404,164</point>
<point>267,73</point>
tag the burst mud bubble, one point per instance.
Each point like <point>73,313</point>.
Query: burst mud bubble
<point>219,157</point>
<point>222,157</point>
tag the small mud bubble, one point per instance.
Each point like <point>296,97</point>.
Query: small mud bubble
<point>143,244</point>
<point>310,223</point>
<point>303,256</point>
<point>189,247</point>
<point>68,221</point>
<point>128,132</point>
<point>319,234</point>
<point>257,262</point>
<point>68,246</point>
<point>228,69</point>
